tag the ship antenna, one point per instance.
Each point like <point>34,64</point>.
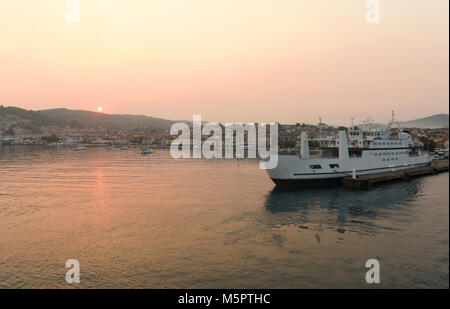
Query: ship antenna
<point>320,126</point>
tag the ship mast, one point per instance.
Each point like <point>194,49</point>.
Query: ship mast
<point>320,127</point>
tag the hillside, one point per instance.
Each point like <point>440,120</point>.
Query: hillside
<point>21,116</point>
<point>87,119</point>
<point>431,122</point>
<point>435,121</point>
<point>78,119</point>
<point>93,119</point>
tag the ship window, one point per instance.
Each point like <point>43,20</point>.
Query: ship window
<point>315,166</point>
<point>384,160</point>
<point>334,165</point>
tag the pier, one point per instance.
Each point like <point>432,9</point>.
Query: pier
<point>367,181</point>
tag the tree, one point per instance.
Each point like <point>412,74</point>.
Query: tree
<point>428,144</point>
<point>9,132</point>
<point>50,139</point>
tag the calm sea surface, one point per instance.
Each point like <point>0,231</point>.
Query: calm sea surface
<point>138,221</point>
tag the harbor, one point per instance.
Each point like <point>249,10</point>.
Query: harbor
<point>120,212</point>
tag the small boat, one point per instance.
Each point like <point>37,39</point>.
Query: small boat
<point>124,148</point>
<point>146,151</point>
<point>109,147</point>
<point>78,148</point>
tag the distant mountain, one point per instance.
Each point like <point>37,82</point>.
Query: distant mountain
<point>435,121</point>
<point>87,119</point>
<point>431,122</point>
<point>93,119</point>
<point>78,119</point>
<point>19,115</point>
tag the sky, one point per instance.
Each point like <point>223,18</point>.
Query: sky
<point>228,60</point>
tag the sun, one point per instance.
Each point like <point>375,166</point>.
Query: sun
<point>99,108</point>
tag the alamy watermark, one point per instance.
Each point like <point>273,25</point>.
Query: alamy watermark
<point>73,274</point>
<point>73,11</point>
<point>373,274</point>
<point>208,141</point>
<point>373,12</point>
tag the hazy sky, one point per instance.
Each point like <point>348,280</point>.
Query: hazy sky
<point>229,60</point>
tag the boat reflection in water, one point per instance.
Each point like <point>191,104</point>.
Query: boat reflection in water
<point>335,231</point>
<point>352,210</point>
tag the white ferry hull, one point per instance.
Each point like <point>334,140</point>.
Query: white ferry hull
<point>294,171</point>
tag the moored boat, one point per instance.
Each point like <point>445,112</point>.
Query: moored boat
<point>360,150</point>
<point>79,148</point>
<point>146,151</point>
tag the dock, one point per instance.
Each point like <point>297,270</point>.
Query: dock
<point>365,182</point>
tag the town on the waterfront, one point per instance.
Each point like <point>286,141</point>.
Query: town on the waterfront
<point>17,129</point>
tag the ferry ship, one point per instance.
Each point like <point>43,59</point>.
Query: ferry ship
<point>360,150</point>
